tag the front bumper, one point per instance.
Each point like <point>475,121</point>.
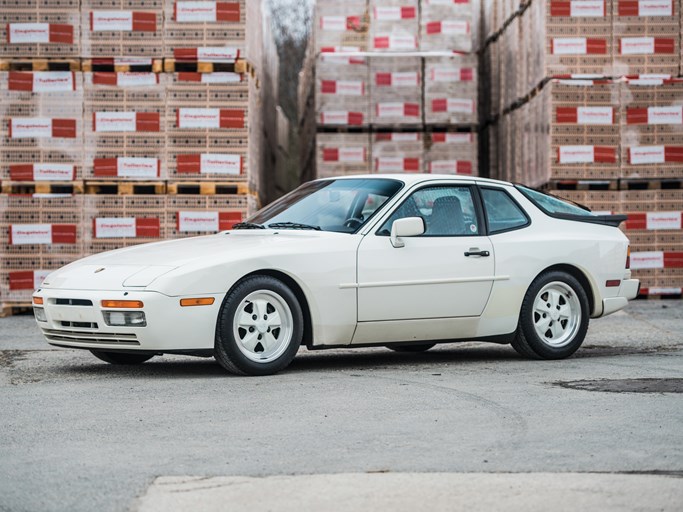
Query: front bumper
<point>170,327</point>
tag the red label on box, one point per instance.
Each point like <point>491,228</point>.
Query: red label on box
<point>450,167</point>
<point>345,155</point>
<point>655,115</point>
<point>125,78</point>
<point>123,21</point>
<point>43,234</point>
<point>214,54</point>
<point>126,122</point>
<point>42,172</point>
<point>127,167</point>
<point>42,128</point>
<point>41,81</point>
<point>206,222</point>
<point>456,138</point>
<point>646,8</point>
<point>27,279</point>
<point>199,12</point>
<point>646,45</point>
<point>578,9</point>
<point>578,46</point>
<point>126,227</point>
<point>209,163</point>
<point>397,164</point>
<point>585,115</point>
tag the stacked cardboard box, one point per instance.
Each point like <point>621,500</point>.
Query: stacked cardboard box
<point>37,235</point>
<point>450,24</point>
<point>121,28</point>
<point>341,25</point>
<point>589,111</point>
<point>394,25</point>
<point>342,92</point>
<point>124,117</point>
<point>108,143</point>
<point>41,126</point>
<point>376,109</point>
<point>396,91</point>
<point>40,28</point>
<point>450,89</point>
<point>646,37</point>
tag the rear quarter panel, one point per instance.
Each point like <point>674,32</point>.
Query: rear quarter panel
<point>598,251</point>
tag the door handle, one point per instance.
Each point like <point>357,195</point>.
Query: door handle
<point>477,252</point>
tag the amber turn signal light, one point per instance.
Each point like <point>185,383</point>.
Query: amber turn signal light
<point>122,304</point>
<point>37,300</point>
<point>206,301</point>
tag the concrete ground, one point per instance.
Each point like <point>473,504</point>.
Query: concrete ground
<point>464,426</point>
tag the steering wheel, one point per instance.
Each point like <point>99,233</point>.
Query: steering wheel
<point>353,222</point>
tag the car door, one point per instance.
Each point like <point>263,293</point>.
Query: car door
<point>446,272</point>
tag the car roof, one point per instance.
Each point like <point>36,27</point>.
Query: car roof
<point>412,178</point>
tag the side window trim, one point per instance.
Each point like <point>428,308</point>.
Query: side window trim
<point>514,201</point>
<point>476,200</point>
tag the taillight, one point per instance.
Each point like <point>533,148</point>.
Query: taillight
<point>628,257</point>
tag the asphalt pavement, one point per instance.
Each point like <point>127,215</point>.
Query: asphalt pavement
<point>463,426</point>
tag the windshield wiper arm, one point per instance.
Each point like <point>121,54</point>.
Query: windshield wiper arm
<point>293,225</point>
<point>248,225</point>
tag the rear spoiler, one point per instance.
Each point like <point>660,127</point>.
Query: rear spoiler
<point>605,220</point>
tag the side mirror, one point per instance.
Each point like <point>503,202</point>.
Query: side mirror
<point>409,226</point>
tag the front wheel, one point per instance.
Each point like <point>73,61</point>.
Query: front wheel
<point>260,327</point>
<point>121,357</point>
<point>554,317</point>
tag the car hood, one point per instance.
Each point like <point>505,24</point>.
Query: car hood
<point>139,266</point>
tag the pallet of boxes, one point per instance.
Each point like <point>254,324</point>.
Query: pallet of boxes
<point>592,112</point>
<point>395,87</point>
<point>123,123</point>
<point>41,160</point>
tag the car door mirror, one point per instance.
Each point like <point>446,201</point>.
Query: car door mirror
<point>408,226</point>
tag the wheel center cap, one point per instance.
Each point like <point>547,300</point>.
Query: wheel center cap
<point>554,315</point>
<point>261,326</point>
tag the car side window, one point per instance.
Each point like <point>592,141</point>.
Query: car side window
<point>502,212</point>
<point>446,211</point>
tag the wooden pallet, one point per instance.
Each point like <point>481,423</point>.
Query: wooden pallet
<point>42,187</point>
<point>108,65</point>
<point>239,66</point>
<point>651,184</point>
<point>208,188</point>
<point>40,64</point>
<point>12,309</point>
<point>581,185</point>
<point>125,187</point>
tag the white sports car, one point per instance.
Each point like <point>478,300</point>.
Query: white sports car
<point>405,261</point>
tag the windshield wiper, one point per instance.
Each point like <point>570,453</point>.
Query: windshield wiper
<point>293,225</point>
<point>248,225</point>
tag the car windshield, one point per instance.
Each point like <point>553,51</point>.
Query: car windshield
<point>552,204</point>
<point>343,206</point>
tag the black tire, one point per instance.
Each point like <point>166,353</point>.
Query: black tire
<point>121,357</point>
<point>528,342</point>
<point>227,348</point>
<point>414,347</point>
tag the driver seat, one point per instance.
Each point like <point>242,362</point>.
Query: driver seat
<point>447,217</point>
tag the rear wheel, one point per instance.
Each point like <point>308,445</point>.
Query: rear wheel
<point>554,317</point>
<point>260,327</point>
<point>121,357</point>
<point>414,347</point>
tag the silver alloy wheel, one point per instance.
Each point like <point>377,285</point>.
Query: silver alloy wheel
<point>263,326</point>
<point>556,314</point>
